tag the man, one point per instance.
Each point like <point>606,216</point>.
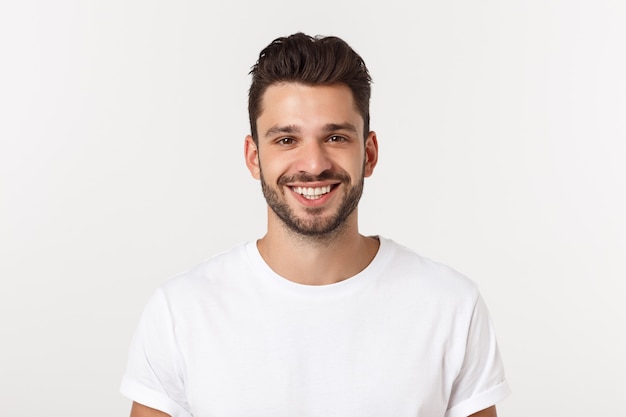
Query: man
<point>314,319</point>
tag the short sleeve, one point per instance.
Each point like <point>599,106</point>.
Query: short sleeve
<point>154,373</point>
<point>481,381</point>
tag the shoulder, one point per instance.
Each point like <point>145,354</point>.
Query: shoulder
<point>427,274</point>
<point>220,270</point>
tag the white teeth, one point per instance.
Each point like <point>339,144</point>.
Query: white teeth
<point>312,193</point>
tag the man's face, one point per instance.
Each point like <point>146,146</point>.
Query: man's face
<point>311,157</point>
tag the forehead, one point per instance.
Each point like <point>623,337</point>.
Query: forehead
<point>306,105</point>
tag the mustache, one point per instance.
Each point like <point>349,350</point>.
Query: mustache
<point>306,177</point>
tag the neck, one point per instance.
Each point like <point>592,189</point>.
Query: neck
<point>317,260</point>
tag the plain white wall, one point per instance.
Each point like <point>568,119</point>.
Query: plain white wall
<point>502,128</point>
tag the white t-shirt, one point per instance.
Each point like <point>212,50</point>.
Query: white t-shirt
<point>231,338</point>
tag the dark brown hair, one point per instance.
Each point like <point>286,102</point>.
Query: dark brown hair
<point>311,61</point>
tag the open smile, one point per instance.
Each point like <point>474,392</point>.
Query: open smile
<point>312,193</point>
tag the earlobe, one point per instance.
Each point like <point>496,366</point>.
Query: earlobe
<point>251,155</point>
<point>371,154</point>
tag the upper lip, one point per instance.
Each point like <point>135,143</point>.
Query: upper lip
<point>316,184</point>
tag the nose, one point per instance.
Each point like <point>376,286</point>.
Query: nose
<point>313,158</point>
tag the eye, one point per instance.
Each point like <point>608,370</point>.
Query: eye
<point>285,141</point>
<point>337,139</point>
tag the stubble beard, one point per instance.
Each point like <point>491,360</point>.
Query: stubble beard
<point>315,225</point>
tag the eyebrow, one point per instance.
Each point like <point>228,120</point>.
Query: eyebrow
<point>278,130</point>
<point>333,127</point>
<point>327,128</point>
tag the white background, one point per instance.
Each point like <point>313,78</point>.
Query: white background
<point>502,130</point>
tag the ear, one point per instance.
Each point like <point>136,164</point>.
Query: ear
<point>251,154</point>
<point>371,154</point>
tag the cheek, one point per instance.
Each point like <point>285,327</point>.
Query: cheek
<point>271,169</point>
<point>356,165</point>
